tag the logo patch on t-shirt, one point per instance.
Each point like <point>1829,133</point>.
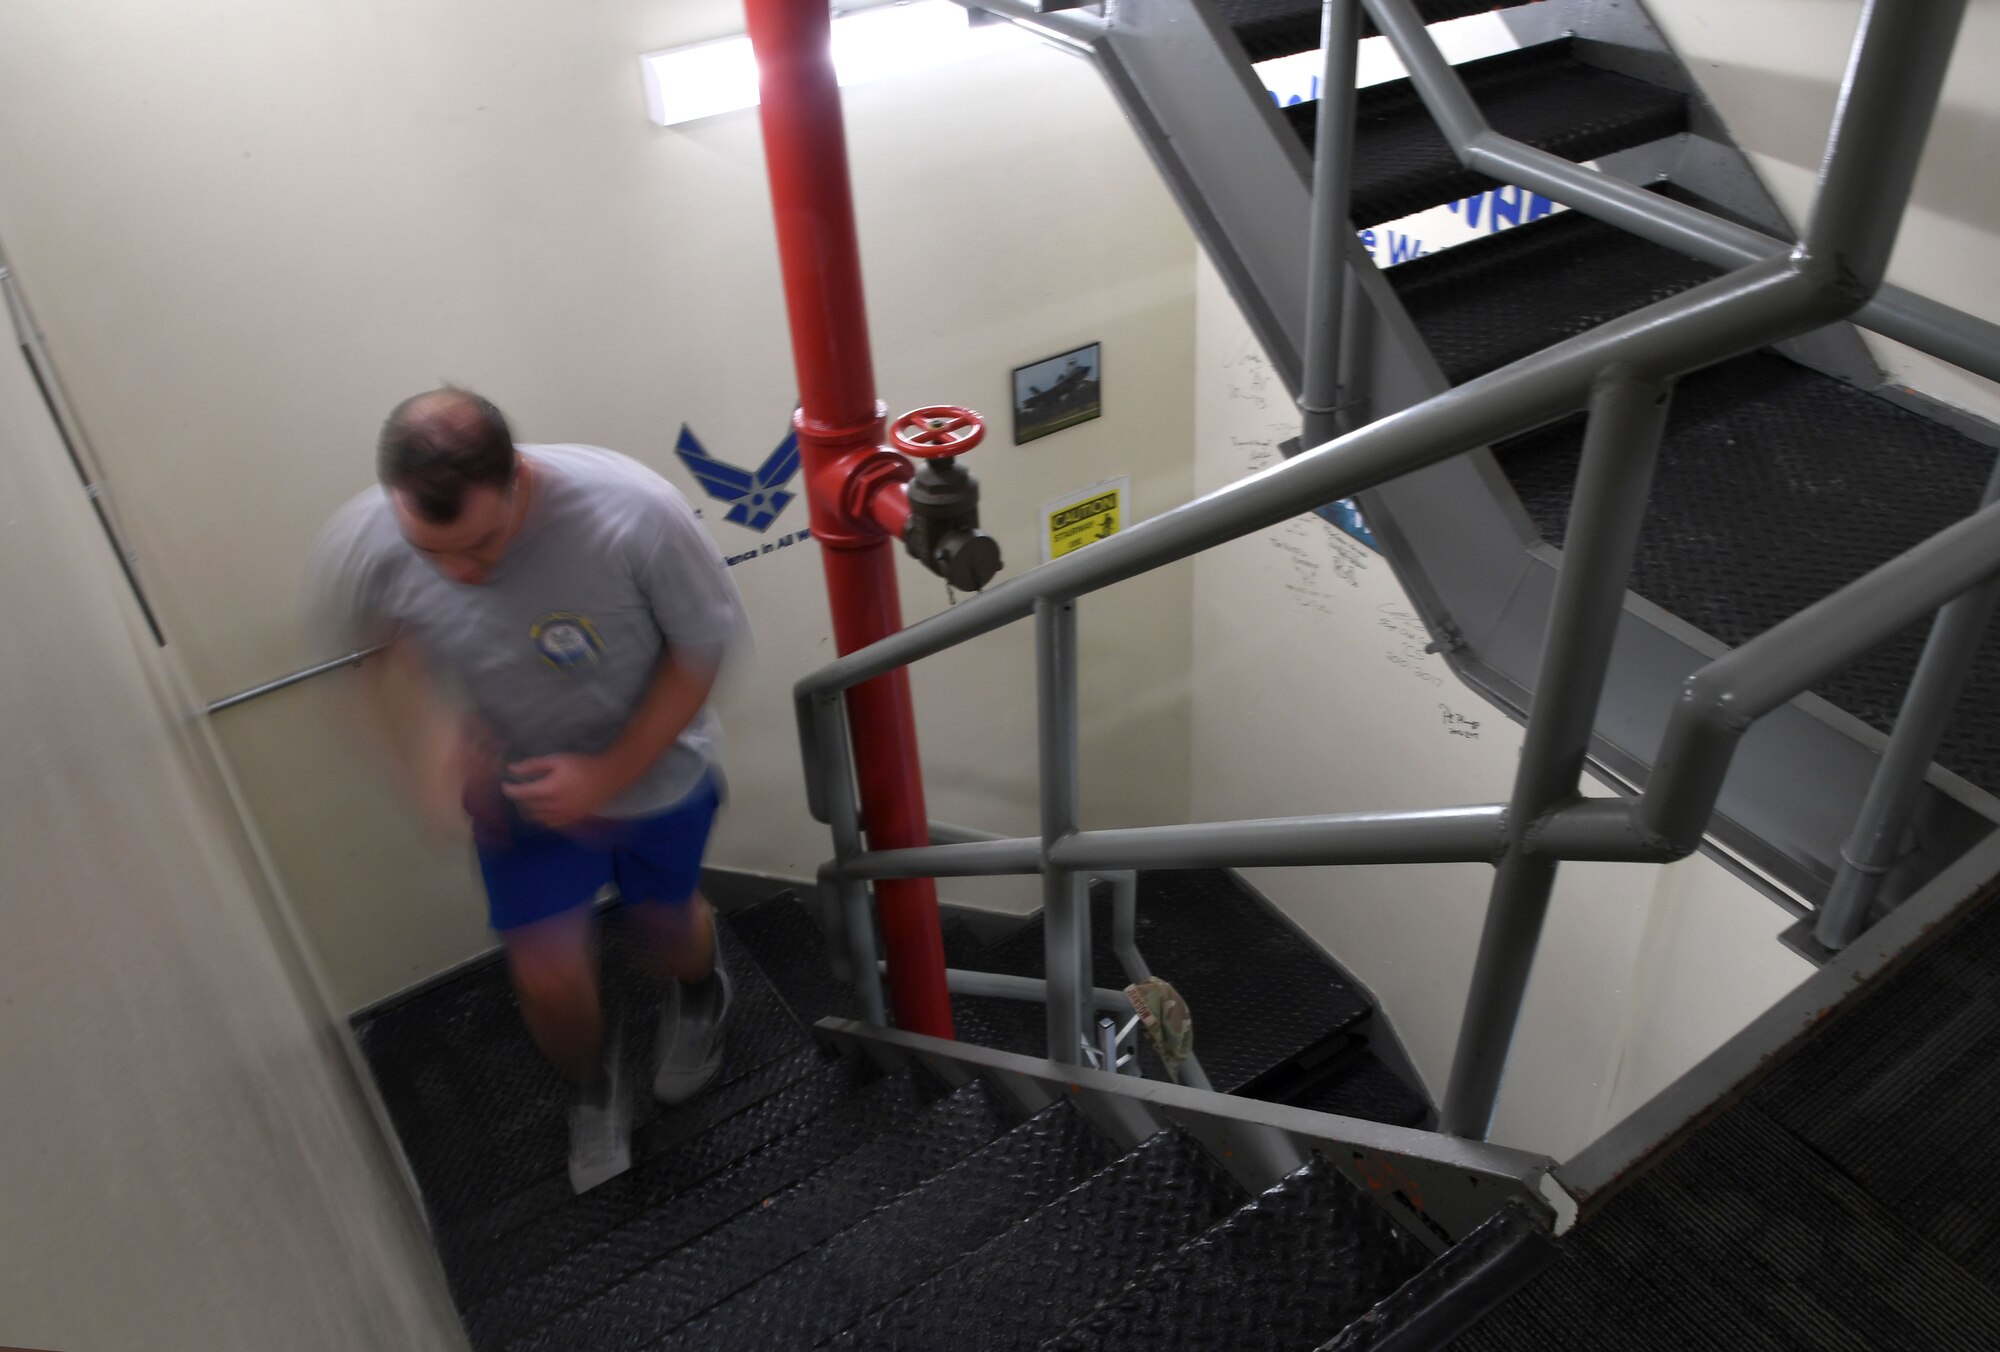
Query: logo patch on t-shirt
<point>567,641</point>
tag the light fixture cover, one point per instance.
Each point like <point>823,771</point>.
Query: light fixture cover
<point>706,78</point>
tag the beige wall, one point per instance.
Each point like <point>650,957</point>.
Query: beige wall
<point>1313,694</point>
<point>1773,71</point>
<point>186,1162</point>
<point>248,228</point>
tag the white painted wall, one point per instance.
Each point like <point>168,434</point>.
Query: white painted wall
<point>1773,71</point>
<point>1313,694</point>
<point>186,1162</point>
<point>249,228</point>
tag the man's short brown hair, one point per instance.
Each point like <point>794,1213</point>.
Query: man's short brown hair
<point>439,445</point>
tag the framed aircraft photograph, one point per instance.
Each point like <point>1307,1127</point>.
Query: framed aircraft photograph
<point>1058,392</point>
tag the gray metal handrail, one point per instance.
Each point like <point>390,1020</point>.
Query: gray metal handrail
<point>1622,371</point>
<point>355,658</point>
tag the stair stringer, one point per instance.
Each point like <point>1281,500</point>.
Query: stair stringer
<point>1455,535</point>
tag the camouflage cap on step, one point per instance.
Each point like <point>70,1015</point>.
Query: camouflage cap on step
<point>1165,1017</point>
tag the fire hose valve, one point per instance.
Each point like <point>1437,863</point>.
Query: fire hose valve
<point>943,533</point>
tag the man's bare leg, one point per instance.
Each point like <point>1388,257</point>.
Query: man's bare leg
<point>556,979</point>
<point>555,975</point>
<point>679,939</point>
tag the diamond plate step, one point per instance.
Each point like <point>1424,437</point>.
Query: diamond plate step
<point>481,1115</point>
<point>535,1230</point>
<point>1483,304</point>
<point>1272,28</point>
<point>692,1127</point>
<point>1542,95</point>
<point>630,1223</point>
<point>1286,1272</point>
<point>651,1303</point>
<point>828,1289</point>
<point>1027,1284</point>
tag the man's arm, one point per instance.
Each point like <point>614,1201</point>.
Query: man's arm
<point>417,733</point>
<point>566,788</point>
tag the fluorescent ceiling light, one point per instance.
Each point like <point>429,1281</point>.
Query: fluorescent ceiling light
<point>686,83</point>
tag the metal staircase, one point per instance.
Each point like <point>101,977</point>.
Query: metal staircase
<point>1476,541</point>
<point>1821,1181</point>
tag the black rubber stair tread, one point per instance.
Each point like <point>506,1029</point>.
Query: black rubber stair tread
<point>1031,1281</point>
<point>1288,1271</point>
<point>1495,300</point>
<point>649,1304</point>
<point>481,1115</point>
<point>1745,1239</point>
<point>1272,28</point>
<point>632,1221</point>
<point>828,1289</point>
<point>1777,485</point>
<point>1902,1094</point>
<point>1541,95</point>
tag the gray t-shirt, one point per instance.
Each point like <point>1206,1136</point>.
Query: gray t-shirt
<point>555,650</point>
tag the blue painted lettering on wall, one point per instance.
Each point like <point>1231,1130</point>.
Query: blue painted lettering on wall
<point>755,497</point>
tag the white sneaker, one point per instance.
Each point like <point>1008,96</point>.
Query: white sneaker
<point>600,1136</point>
<point>689,1052</point>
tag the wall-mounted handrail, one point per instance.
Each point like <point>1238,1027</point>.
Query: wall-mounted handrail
<point>355,658</point>
<point>1622,370</point>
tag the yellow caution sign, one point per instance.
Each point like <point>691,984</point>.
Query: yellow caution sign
<point>1071,522</point>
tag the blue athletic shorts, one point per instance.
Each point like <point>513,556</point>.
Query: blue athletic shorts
<point>533,873</point>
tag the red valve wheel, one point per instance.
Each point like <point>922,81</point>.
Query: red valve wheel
<point>941,430</point>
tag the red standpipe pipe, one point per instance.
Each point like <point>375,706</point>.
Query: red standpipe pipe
<point>853,483</point>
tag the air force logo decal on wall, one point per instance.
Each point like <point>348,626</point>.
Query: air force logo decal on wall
<point>757,498</point>
<point>567,642</point>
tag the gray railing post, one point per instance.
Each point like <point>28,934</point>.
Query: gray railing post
<point>850,918</point>
<point>1621,443</point>
<point>1065,900</point>
<point>1877,838</point>
<point>1323,392</point>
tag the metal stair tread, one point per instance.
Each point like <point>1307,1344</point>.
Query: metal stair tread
<point>703,1128</point>
<point>1028,1282</point>
<point>823,1291</point>
<point>681,1285</point>
<point>480,1114</point>
<point>1286,1271</point>
<point>1542,95</point>
<point>1274,28</point>
<point>532,1230</point>
<point>1495,300</point>
<point>1368,1089</point>
<point>628,1223</point>
<point>1773,490</point>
